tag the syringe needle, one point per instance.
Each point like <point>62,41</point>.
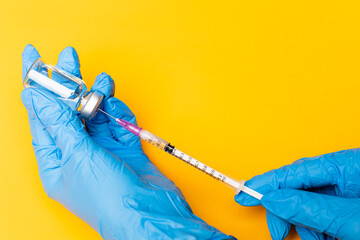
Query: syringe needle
<point>107,114</point>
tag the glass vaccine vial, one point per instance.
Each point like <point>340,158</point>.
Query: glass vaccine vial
<point>67,87</point>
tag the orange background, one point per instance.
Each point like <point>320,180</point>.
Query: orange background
<point>244,86</point>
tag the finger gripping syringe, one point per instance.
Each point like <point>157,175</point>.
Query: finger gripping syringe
<point>167,147</point>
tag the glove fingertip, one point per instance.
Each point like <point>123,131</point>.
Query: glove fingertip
<point>29,50</point>
<point>69,61</point>
<point>29,56</point>
<point>104,84</point>
<point>69,53</point>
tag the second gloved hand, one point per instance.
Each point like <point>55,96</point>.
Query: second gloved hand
<point>100,173</point>
<point>319,195</point>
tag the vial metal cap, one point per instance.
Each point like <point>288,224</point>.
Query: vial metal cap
<point>90,104</point>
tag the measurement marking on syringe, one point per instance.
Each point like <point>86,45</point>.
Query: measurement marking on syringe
<point>202,167</point>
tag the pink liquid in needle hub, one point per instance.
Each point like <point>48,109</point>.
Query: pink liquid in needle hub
<point>129,126</point>
<point>125,124</point>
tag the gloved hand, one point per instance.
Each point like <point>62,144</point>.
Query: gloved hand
<point>319,195</point>
<point>100,172</point>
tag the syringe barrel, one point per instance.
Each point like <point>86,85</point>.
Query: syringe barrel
<point>167,147</point>
<point>153,139</point>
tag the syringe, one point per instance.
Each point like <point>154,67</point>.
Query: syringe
<point>167,147</point>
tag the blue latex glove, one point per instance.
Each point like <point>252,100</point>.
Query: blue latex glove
<point>319,195</point>
<point>100,172</point>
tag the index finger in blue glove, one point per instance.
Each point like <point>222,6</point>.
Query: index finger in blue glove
<point>305,173</point>
<point>29,56</point>
<point>104,84</point>
<point>62,124</point>
<point>69,61</point>
<point>335,216</point>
